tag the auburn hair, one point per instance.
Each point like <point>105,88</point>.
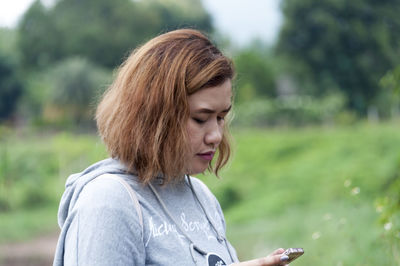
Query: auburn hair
<point>142,117</point>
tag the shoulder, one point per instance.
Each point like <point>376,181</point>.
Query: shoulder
<point>104,191</point>
<point>108,195</point>
<point>104,228</point>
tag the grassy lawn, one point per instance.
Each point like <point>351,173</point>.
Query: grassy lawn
<point>20,225</point>
<point>314,188</point>
<point>33,170</point>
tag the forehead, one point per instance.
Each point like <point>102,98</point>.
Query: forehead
<point>215,98</point>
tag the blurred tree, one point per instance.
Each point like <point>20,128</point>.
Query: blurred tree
<point>339,44</point>
<point>391,80</point>
<point>103,31</point>
<point>75,85</point>
<point>389,96</point>
<point>39,41</point>
<point>8,39</point>
<point>10,86</point>
<point>255,73</point>
<point>173,14</point>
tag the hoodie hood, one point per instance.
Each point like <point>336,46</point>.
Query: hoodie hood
<point>76,182</point>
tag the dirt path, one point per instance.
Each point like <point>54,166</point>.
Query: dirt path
<point>35,252</point>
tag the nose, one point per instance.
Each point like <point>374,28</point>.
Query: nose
<point>214,135</point>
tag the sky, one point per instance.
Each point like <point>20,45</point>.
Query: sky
<point>241,20</point>
<point>245,20</point>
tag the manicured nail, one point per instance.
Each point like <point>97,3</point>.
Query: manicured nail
<point>284,258</point>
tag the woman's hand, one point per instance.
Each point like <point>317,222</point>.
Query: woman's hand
<point>274,259</point>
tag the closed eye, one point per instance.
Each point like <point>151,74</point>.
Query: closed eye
<point>199,121</point>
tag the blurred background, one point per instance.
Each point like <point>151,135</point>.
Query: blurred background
<point>316,118</point>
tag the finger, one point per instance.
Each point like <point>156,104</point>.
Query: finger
<point>275,259</point>
<point>272,260</point>
<point>278,251</point>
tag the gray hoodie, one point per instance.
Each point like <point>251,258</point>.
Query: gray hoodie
<point>100,225</point>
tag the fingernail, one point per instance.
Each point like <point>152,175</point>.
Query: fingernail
<point>284,258</point>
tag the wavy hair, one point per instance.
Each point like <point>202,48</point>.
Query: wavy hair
<point>143,115</point>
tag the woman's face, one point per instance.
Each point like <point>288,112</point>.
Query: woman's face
<point>208,108</point>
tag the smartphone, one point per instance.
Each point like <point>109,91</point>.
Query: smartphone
<point>293,253</point>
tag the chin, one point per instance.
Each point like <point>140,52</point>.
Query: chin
<point>197,170</point>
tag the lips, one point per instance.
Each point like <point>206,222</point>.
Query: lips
<point>206,155</point>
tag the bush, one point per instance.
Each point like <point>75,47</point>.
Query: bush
<point>64,96</point>
<point>388,100</point>
<point>76,85</point>
<point>229,197</point>
<point>10,87</point>
<point>293,111</point>
<point>388,207</point>
<point>33,168</point>
<point>255,73</point>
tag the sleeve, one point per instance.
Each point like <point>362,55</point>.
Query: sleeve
<point>105,229</point>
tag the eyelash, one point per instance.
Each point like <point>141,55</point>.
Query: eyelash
<point>199,121</point>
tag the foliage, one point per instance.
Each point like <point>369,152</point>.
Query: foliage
<point>389,208</point>
<point>101,30</point>
<point>293,111</point>
<point>345,45</point>
<point>20,225</point>
<point>310,187</point>
<point>314,188</point>
<point>64,94</point>
<point>389,96</point>
<point>391,80</point>
<point>39,41</point>
<point>180,13</point>
<point>10,86</point>
<point>8,42</point>
<point>33,168</point>
<point>66,51</point>
<point>255,73</point>
<point>76,84</point>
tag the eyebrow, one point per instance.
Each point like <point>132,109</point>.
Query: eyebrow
<point>210,111</point>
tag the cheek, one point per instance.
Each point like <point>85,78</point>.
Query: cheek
<point>194,135</point>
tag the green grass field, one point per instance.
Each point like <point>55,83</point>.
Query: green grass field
<point>314,188</point>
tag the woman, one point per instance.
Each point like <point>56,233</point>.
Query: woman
<point>162,120</point>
